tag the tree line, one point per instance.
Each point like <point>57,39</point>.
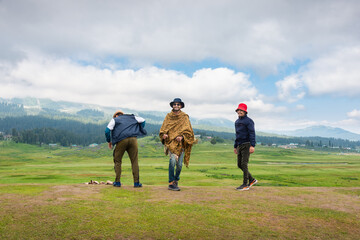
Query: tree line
<point>40,129</point>
<point>10,109</point>
<point>308,142</point>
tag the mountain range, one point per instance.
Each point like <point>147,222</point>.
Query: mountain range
<point>102,114</point>
<point>323,131</point>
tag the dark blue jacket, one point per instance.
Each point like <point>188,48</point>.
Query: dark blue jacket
<point>245,131</point>
<point>125,126</point>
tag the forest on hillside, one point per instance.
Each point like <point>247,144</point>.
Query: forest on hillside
<point>10,109</point>
<point>66,132</point>
<point>39,129</point>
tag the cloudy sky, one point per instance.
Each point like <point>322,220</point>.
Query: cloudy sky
<point>294,63</point>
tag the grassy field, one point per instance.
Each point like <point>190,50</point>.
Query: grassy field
<point>301,194</point>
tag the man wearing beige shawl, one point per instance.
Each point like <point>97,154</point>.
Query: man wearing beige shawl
<point>177,136</point>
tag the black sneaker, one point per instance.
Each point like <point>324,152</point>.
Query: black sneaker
<point>253,182</point>
<point>173,186</point>
<point>176,188</point>
<point>243,188</point>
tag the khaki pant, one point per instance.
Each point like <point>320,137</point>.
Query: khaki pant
<point>131,147</point>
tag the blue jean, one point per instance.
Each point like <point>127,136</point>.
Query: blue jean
<point>174,175</point>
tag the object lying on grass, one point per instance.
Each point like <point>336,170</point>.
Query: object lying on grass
<point>108,182</point>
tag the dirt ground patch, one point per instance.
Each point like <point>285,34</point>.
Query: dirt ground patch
<point>338,199</point>
<point>317,197</point>
<point>271,210</point>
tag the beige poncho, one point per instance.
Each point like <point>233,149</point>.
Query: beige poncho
<point>175,125</point>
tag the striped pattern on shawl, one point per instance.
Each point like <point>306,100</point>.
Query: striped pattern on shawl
<point>175,125</point>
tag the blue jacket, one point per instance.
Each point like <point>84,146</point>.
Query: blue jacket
<point>124,126</point>
<point>245,131</point>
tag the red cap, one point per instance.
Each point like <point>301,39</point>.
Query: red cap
<point>242,106</point>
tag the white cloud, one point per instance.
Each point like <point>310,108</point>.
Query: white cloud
<point>260,35</point>
<point>337,73</point>
<point>354,114</point>
<point>290,89</point>
<point>260,107</point>
<point>121,41</point>
<point>208,91</point>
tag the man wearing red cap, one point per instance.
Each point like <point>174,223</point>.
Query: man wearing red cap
<point>244,145</point>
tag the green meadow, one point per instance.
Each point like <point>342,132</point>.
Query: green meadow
<point>301,194</point>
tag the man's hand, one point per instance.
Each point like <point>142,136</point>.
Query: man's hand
<point>252,150</point>
<point>165,136</point>
<point>235,151</point>
<point>110,145</point>
<point>179,138</point>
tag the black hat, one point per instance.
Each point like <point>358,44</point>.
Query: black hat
<point>177,100</point>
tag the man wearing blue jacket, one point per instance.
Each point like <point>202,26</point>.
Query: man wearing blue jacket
<point>122,132</point>
<point>244,145</point>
